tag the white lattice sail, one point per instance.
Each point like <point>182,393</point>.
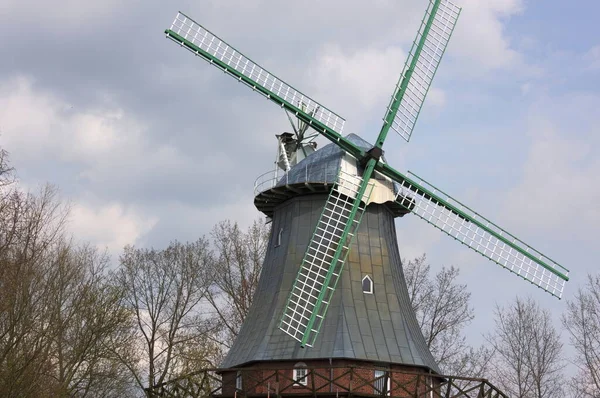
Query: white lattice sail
<point>428,57</point>
<point>481,235</point>
<point>203,43</point>
<point>305,301</point>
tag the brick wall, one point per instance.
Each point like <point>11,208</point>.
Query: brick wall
<point>338,378</point>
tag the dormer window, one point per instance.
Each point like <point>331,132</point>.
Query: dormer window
<point>367,285</point>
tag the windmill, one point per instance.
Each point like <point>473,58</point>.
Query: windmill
<point>364,186</point>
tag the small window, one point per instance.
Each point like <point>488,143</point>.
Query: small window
<point>367,285</point>
<point>238,381</point>
<point>300,374</point>
<point>382,383</point>
<point>279,235</point>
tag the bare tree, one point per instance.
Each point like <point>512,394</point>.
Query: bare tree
<point>88,323</point>
<point>529,351</point>
<point>442,308</point>
<point>31,226</point>
<point>474,362</point>
<point>54,309</point>
<point>582,322</point>
<point>7,176</point>
<point>165,289</point>
<point>238,262</point>
<point>57,310</point>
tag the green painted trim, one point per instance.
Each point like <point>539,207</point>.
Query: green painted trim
<point>361,191</point>
<point>391,115</point>
<point>399,177</point>
<point>329,133</point>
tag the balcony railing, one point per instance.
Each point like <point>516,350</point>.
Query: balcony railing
<point>323,381</point>
<point>270,179</point>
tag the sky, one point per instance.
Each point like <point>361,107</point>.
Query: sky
<point>150,144</point>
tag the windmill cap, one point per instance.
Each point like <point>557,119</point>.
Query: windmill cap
<point>315,174</point>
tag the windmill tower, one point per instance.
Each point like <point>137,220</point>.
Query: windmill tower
<point>331,314</point>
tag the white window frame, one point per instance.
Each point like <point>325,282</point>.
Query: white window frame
<point>300,379</point>
<point>379,383</point>
<point>362,282</point>
<point>239,381</point>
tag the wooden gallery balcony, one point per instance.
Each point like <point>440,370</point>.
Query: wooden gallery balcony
<point>323,381</point>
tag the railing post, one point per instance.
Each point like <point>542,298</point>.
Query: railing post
<point>449,383</point>
<point>417,385</point>
<point>311,372</point>
<point>306,173</point>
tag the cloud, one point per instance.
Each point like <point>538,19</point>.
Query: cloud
<point>185,222</point>
<point>38,123</point>
<point>111,152</point>
<point>416,237</point>
<point>110,226</point>
<point>357,81</point>
<point>558,190</point>
<point>361,82</point>
<point>66,14</point>
<point>126,186</point>
<point>150,132</point>
<point>592,58</point>
<point>480,39</point>
<point>353,36</point>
